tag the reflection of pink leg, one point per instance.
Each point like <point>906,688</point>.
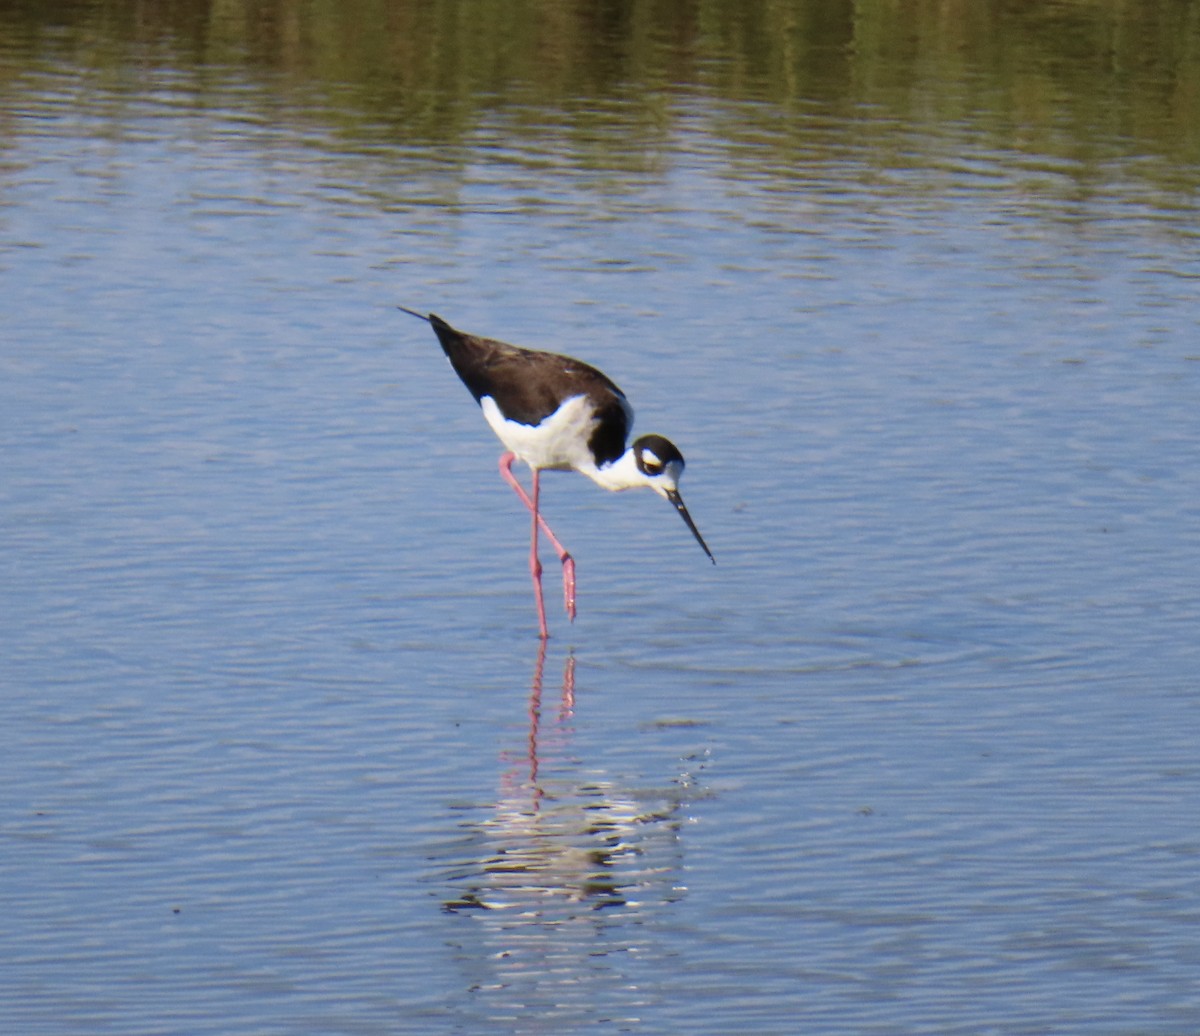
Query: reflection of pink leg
<point>535,718</point>
<point>567,705</point>
<point>568,562</point>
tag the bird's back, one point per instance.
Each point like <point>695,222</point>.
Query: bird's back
<point>528,386</point>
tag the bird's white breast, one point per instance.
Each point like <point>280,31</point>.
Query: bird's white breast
<point>560,441</point>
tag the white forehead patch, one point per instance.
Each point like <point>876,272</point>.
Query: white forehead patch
<point>650,458</point>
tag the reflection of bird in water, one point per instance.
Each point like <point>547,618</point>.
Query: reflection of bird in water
<point>569,842</point>
<point>558,414</point>
<point>560,885</point>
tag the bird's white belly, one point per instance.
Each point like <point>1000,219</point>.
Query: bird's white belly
<point>560,441</point>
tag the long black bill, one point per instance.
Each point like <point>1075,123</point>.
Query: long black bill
<point>677,500</point>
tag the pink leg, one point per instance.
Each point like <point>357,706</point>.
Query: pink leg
<point>535,564</point>
<point>568,562</point>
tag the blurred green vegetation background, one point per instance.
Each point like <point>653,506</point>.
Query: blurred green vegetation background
<point>1078,80</point>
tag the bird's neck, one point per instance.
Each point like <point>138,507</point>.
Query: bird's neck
<point>622,473</point>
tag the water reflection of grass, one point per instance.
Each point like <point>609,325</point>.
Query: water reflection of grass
<point>1078,81</point>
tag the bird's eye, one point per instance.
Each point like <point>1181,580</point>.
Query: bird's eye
<point>651,465</point>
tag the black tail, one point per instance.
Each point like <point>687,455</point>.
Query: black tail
<point>452,339</point>
<point>445,332</point>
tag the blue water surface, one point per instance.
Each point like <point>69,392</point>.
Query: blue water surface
<point>282,751</point>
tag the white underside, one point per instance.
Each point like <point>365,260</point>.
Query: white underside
<point>560,443</point>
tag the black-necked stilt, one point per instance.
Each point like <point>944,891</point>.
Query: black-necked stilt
<point>556,413</point>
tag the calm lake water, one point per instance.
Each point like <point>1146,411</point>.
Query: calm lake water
<point>914,289</point>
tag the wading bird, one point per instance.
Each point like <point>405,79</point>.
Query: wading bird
<point>558,414</point>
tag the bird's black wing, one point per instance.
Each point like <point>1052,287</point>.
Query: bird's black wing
<point>528,386</point>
